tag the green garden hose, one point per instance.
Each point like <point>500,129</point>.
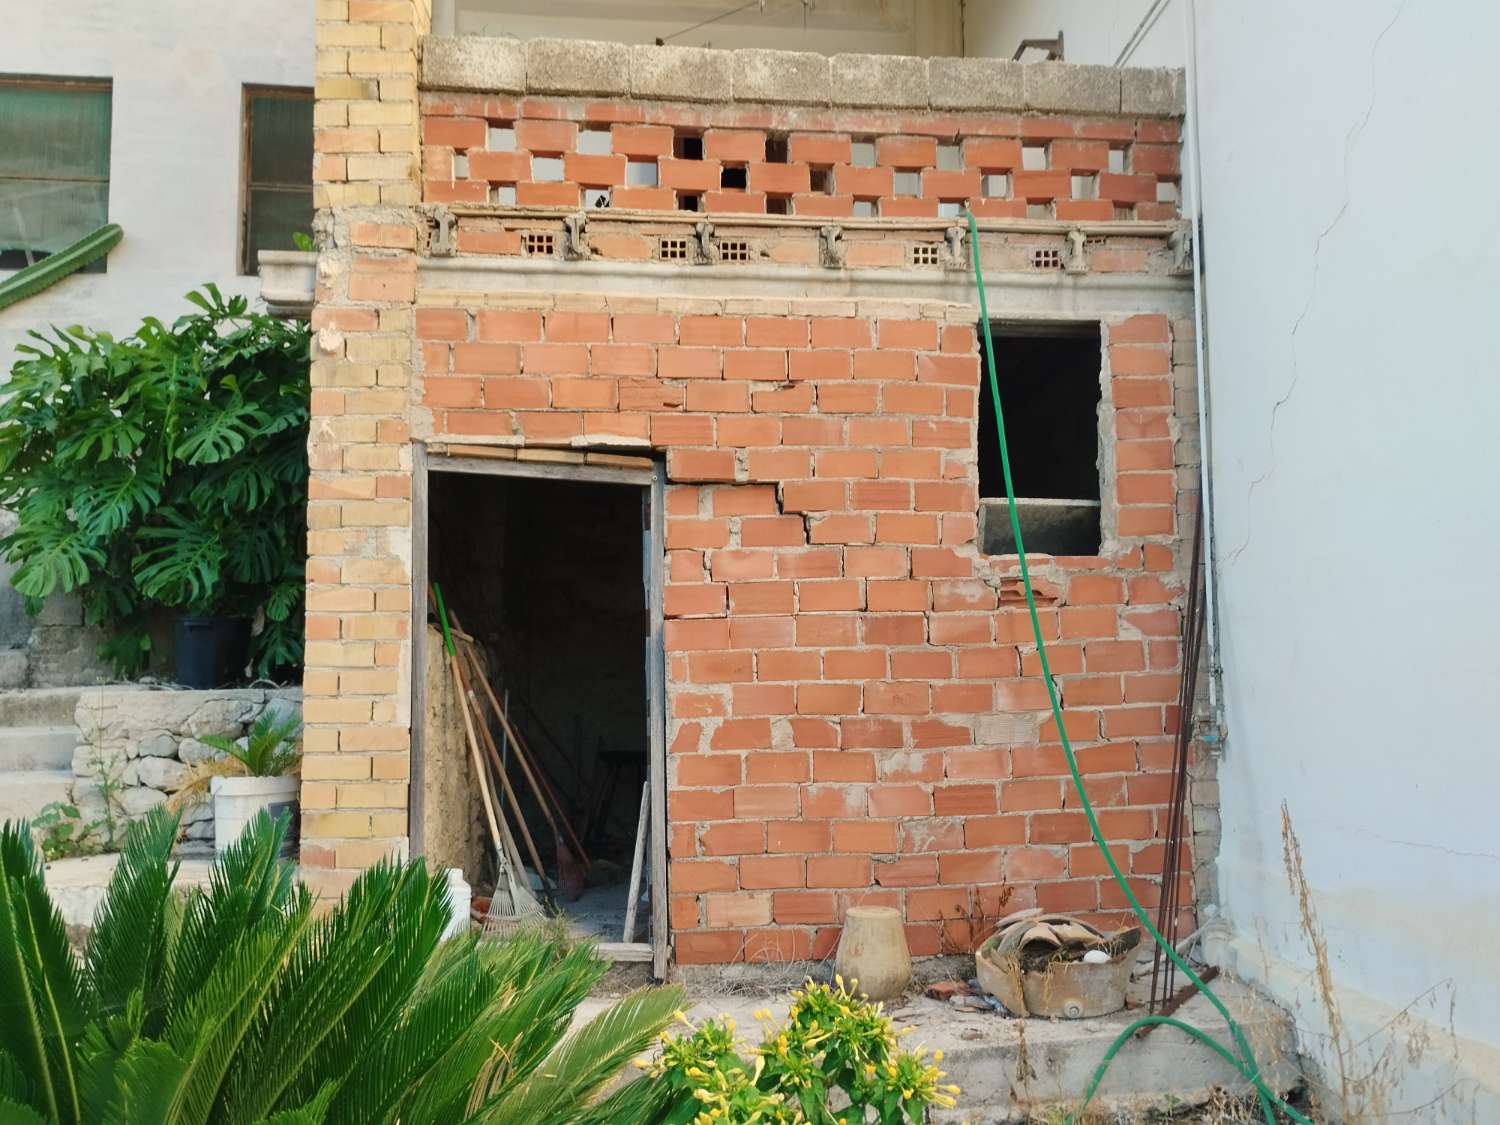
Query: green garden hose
<point>1245,1063</point>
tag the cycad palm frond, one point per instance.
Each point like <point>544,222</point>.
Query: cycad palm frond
<point>343,986</point>
<point>586,1060</point>
<point>128,948</point>
<point>41,988</point>
<point>246,883</point>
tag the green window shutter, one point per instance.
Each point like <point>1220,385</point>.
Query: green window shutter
<point>54,166</point>
<point>278,170</point>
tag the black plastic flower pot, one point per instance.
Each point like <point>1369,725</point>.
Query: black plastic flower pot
<point>212,651</point>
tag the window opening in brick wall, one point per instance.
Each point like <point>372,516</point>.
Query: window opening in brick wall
<point>552,604</point>
<point>673,249</point>
<point>687,146</point>
<point>595,198</point>
<point>502,138</point>
<point>1117,157</point>
<point>732,178</point>
<point>1049,376</point>
<point>908,182</point>
<point>950,158</point>
<point>547,169</point>
<point>641,173</point>
<point>864,208</point>
<point>1166,191</point>
<point>775,148</point>
<point>1039,211</point>
<point>926,254</point>
<point>949,209</point>
<point>862,154</point>
<point>460,165</point>
<point>277,191</point>
<point>539,243</point>
<point>1085,187</point>
<point>505,195</point>
<point>1034,158</point>
<point>818,180</point>
<point>995,185</point>
<point>734,250</point>
<point>1046,258</point>
<point>1124,211</point>
<point>689,203</point>
<point>778,205</point>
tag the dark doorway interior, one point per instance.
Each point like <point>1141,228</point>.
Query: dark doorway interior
<point>547,576</point>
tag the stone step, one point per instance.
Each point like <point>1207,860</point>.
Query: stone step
<point>39,707</point>
<point>37,748</point>
<point>15,666</point>
<point>24,793</point>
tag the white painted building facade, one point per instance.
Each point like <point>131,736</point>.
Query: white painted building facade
<point>178,70</point>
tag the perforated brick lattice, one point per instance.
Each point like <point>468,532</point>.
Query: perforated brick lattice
<point>734,250</point>
<point>673,249</point>
<point>549,154</point>
<point>538,243</point>
<point>925,254</point>
<point>1046,258</point>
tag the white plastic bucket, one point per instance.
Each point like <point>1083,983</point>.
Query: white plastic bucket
<point>237,800</point>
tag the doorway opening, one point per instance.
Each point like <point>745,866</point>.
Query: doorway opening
<point>547,573</point>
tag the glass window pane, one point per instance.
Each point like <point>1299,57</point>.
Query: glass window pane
<point>275,215</point>
<point>54,131</point>
<point>281,139</point>
<point>49,215</point>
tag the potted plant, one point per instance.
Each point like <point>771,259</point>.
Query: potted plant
<point>166,472</point>
<point>260,774</point>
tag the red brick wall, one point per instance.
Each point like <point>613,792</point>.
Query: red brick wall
<point>854,713</point>
<point>815,149</point>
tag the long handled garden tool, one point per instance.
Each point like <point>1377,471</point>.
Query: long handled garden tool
<point>512,904</point>
<point>572,861</point>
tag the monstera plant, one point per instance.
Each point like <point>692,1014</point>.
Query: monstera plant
<point>164,470</point>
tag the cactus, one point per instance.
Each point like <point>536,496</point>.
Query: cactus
<point>53,268</point>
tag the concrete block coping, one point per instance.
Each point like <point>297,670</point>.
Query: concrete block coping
<point>585,68</point>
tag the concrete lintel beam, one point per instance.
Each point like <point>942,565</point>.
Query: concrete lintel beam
<point>760,77</point>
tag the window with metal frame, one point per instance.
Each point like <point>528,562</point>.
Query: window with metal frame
<point>278,194</point>
<point>54,165</point>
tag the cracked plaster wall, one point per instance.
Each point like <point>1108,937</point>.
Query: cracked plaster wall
<point>1355,407</point>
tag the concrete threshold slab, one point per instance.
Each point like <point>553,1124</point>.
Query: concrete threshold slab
<point>1014,1070</point>
<point>77,886</point>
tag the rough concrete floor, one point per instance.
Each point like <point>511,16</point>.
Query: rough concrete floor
<point>1037,1070</point>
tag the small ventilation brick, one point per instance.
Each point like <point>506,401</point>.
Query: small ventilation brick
<point>673,249</point>
<point>1046,258</point>
<point>925,254</point>
<point>734,250</point>
<point>539,243</point>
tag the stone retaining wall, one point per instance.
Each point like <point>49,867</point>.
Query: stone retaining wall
<point>148,740</point>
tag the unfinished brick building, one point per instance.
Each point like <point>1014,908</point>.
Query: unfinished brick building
<point>629,343</point>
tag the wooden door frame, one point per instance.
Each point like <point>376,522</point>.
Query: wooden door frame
<point>644,473</point>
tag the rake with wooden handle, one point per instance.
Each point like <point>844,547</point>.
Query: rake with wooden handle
<point>512,904</point>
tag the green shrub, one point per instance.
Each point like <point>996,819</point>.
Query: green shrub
<point>835,1059</point>
<point>168,470</point>
<point>242,1006</point>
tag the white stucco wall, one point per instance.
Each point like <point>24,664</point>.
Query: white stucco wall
<point>1094,31</point>
<point>178,68</point>
<point>1352,281</point>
